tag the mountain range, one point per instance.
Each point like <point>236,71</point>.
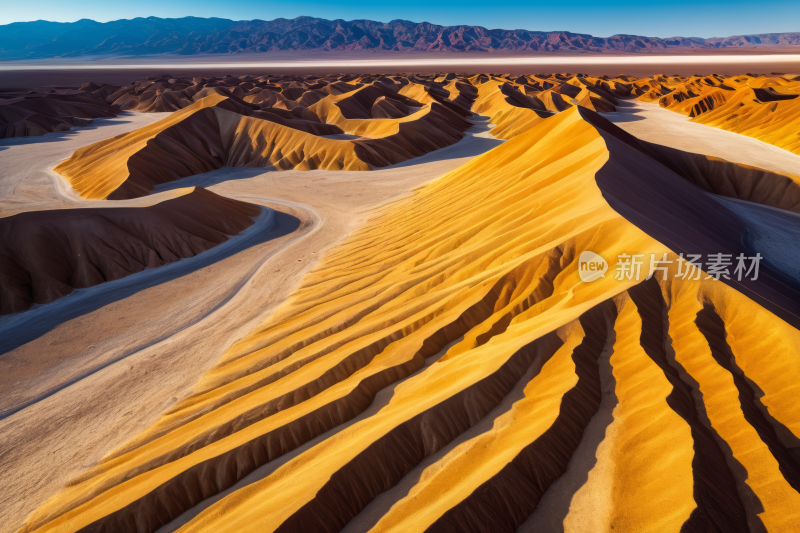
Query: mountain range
<point>193,35</point>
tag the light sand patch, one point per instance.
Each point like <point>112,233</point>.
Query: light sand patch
<point>652,123</point>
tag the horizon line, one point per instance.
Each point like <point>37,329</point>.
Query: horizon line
<point>523,61</point>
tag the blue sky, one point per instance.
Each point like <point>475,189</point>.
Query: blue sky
<point>688,18</point>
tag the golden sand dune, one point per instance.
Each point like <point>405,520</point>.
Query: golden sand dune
<point>217,131</point>
<point>45,255</point>
<point>515,103</point>
<point>554,93</point>
<point>362,393</point>
<point>347,100</point>
<point>261,122</point>
<point>765,108</point>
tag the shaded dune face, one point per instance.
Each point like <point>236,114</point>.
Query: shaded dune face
<point>765,108</point>
<point>389,108</point>
<point>445,369</point>
<point>39,114</point>
<point>45,255</point>
<point>670,208</point>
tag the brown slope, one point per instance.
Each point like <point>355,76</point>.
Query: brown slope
<point>359,103</point>
<point>506,500</point>
<point>387,108</point>
<point>45,255</point>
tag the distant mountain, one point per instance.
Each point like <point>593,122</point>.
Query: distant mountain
<point>192,35</point>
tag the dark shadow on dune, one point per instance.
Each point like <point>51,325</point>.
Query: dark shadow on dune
<point>783,433</point>
<point>713,329</point>
<point>660,198</point>
<point>719,505</point>
<point>752,504</point>
<point>381,400</point>
<point>341,137</point>
<point>771,95</point>
<point>554,506</point>
<point>21,328</point>
<point>123,118</point>
<point>504,501</point>
<point>381,504</point>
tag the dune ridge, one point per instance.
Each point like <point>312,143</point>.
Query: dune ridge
<point>392,119</point>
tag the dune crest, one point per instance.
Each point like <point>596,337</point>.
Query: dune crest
<point>392,120</point>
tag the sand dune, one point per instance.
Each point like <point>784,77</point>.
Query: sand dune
<point>482,264</point>
<point>38,114</point>
<point>396,119</point>
<point>442,367</point>
<point>176,329</point>
<point>45,255</point>
<point>219,131</point>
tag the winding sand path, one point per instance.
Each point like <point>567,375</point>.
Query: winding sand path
<point>25,181</point>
